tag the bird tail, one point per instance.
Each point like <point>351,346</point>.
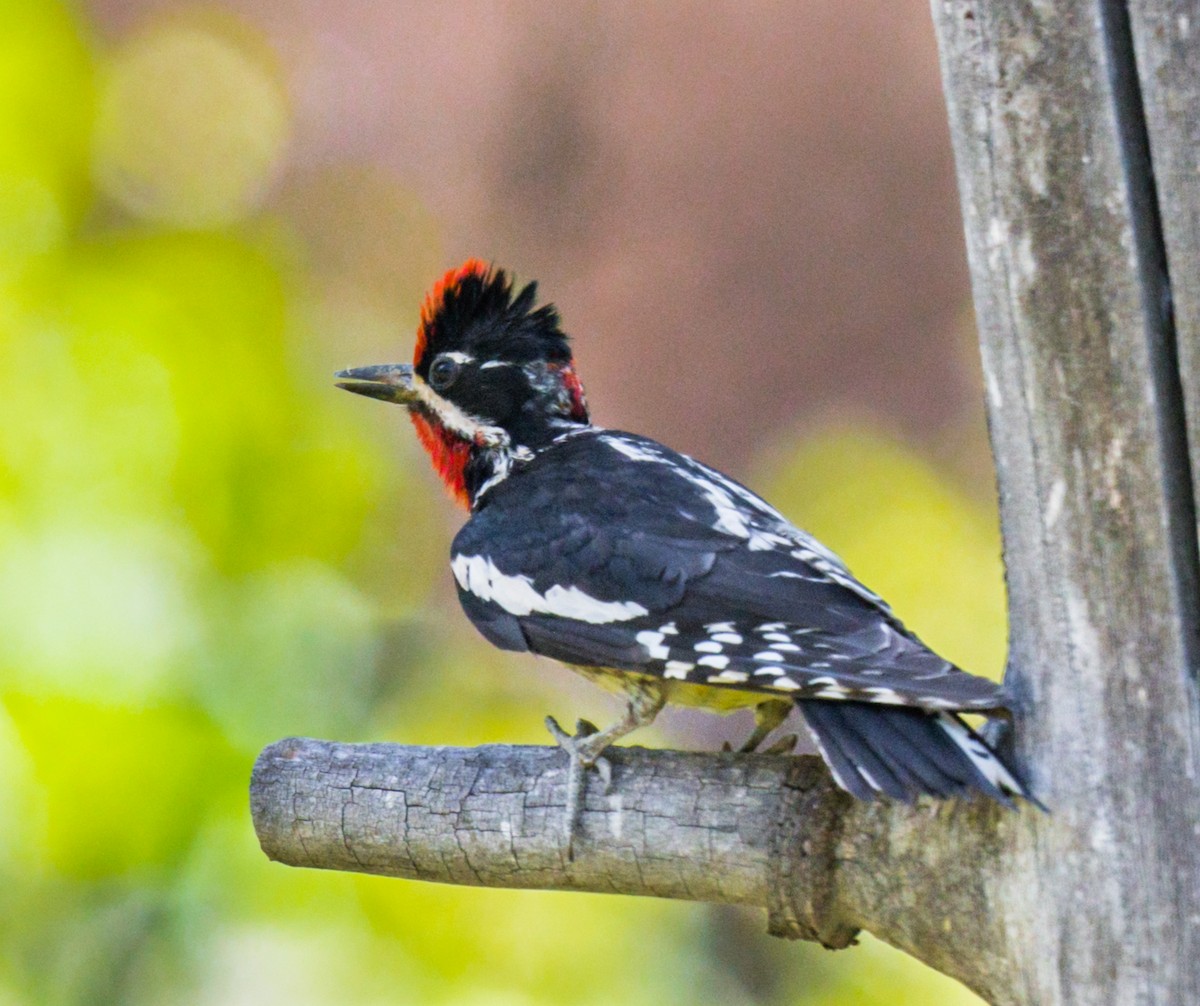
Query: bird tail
<point>904,752</point>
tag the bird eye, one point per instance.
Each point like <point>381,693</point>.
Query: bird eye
<point>443,373</point>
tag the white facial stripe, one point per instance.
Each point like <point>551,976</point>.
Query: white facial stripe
<point>459,358</point>
<point>515,594</point>
<point>457,421</point>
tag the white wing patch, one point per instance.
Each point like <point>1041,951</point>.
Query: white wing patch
<point>633,451</point>
<point>653,642</point>
<point>678,669</point>
<point>743,514</point>
<point>732,518</point>
<point>516,595</point>
<point>729,678</point>
<point>751,499</point>
<point>780,532</point>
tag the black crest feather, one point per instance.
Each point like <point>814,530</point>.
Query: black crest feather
<point>479,312</point>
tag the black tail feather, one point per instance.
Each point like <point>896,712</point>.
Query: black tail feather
<point>828,741</point>
<point>904,752</point>
<point>933,770</point>
<point>867,764</point>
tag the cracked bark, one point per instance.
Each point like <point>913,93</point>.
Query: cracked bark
<point>767,831</point>
<point>1075,134</point>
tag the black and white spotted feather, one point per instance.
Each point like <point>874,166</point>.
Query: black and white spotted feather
<point>606,549</point>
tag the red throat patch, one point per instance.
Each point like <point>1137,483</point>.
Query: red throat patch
<point>574,386</point>
<point>448,453</point>
<point>437,296</point>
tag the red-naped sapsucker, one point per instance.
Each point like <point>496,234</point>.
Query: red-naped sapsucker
<point>658,576</point>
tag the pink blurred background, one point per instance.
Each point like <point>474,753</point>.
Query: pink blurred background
<point>745,211</point>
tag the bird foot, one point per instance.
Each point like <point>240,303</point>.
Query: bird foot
<point>581,756</point>
<point>768,716</point>
<point>784,746</point>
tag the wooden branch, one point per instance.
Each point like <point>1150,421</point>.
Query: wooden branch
<point>772,832</point>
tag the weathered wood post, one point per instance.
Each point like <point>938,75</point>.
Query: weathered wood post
<point>1077,132</point>
<point>1075,128</point>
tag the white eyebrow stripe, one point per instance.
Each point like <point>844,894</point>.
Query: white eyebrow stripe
<point>457,357</point>
<point>492,363</point>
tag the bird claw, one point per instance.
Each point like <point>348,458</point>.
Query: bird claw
<point>784,746</point>
<point>579,759</point>
<point>560,736</point>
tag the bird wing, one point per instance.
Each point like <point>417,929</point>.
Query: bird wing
<point>612,550</point>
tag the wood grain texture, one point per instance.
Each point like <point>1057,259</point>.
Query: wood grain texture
<point>1099,900</point>
<point>493,816</point>
<point>1166,39</point>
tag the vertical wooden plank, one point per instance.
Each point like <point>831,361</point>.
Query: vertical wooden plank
<point>1099,900</point>
<point>1166,38</point>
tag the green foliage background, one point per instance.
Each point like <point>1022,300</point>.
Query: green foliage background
<point>199,554</point>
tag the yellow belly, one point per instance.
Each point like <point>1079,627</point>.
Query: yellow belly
<point>680,693</point>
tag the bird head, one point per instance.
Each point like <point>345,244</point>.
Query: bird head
<point>492,372</point>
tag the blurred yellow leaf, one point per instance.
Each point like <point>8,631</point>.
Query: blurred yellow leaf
<point>909,534</point>
<point>124,788</point>
<point>191,124</point>
<point>555,947</point>
<point>104,613</point>
<point>875,974</point>
<point>45,120</point>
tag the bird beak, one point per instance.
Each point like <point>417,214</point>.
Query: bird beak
<point>389,382</point>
